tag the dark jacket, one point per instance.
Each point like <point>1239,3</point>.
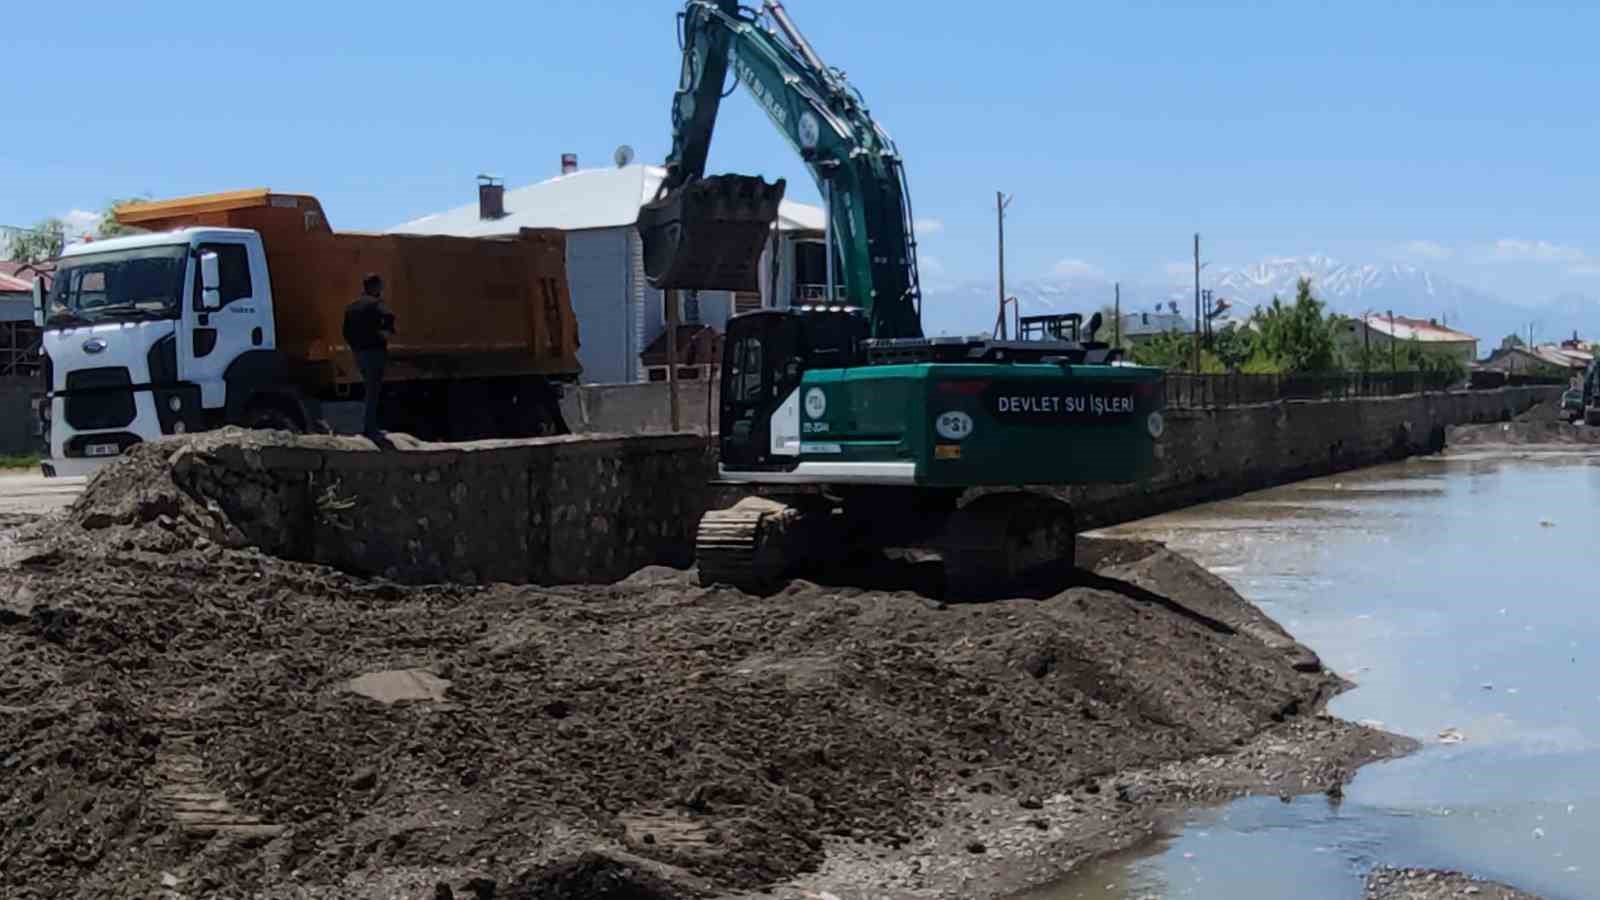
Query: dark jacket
<point>365,321</point>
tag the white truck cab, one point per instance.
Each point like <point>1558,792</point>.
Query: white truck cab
<point>156,334</point>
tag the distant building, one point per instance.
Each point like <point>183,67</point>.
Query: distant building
<point>1379,331</point>
<point>1140,327</point>
<point>620,317</point>
<point>19,339</point>
<point>1567,359</point>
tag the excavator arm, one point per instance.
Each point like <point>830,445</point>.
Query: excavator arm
<point>706,233</point>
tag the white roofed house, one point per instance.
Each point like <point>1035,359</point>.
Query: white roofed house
<point>1380,330</point>
<point>619,314</point>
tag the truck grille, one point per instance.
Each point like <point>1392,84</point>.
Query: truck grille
<point>99,399</point>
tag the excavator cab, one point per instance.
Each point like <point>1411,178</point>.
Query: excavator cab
<point>708,233</point>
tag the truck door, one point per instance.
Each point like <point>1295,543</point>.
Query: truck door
<point>213,339</point>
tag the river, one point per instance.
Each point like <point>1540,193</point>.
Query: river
<point>1458,592</point>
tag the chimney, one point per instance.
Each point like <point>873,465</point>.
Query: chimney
<point>569,163</point>
<point>491,197</point>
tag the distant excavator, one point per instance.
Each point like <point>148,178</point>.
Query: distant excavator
<point>850,429</point>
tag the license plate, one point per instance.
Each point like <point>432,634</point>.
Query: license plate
<point>101,450</point>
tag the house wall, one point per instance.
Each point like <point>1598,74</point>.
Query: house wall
<point>598,276</point>
<point>19,426</point>
<point>1466,351</point>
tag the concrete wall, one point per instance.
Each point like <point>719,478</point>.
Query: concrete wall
<point>18,424</point>
<point>643,408</point>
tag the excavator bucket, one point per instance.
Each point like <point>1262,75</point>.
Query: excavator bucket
<point>708,234</point>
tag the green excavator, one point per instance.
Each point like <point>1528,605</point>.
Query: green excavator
<point>847,427</point>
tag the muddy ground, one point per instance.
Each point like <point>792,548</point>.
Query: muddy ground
<point>1541,424</point>
<point>184,718</point>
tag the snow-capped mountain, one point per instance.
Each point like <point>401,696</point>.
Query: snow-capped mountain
<point>1354,289</point>
<point>1348,288</point>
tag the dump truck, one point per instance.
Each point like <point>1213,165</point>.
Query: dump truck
<point>228,309</point>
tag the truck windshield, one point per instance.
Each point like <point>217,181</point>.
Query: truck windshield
<point>119,285</point>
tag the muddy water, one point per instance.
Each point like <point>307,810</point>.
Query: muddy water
<point>1462,594</point>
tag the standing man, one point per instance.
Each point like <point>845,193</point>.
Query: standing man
<point>366,321</point>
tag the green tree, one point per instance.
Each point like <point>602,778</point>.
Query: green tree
<point>40,242</point>
<point>1174,351</point>
<point>1511,341</point>
<point>1297,337</point>
<point>1233,346</point>
<point>110,227</point>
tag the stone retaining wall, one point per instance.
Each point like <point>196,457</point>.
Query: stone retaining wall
<point>1213,454</point>
<point>588,508</point>
<point>546,511</point>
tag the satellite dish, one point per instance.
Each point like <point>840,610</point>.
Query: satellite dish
<point>623,156</point>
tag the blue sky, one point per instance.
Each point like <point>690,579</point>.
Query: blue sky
<point>1462,137</point>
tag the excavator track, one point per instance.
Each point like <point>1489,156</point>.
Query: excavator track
<point>1006,543</point>
<point>753,544</point>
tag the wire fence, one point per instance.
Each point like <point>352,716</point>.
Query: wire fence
<point>1209,391</point>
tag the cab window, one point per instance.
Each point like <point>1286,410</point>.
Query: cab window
<point>233,268</point>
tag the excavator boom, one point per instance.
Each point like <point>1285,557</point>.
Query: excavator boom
<point>707,233</point>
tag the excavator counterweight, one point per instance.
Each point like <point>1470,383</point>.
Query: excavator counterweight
<point>708,234</point>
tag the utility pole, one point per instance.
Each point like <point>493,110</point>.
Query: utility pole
<point>1116,316</point>
<point>1197,303</point>
<point>674,298</point>
<point>1394,362</point>
<point>1001,201</point>
<point>1366,336</point>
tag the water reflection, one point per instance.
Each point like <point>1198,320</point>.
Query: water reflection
<point>1457,592</point>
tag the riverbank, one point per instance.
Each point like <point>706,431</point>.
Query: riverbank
<point>185,719</point>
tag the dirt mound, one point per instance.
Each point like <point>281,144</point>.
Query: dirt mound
<point>1518,433</point>
<point>1543,411</point>
<point>193,713</point>
<point>596,876</point>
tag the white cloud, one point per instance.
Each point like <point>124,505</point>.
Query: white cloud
<point>1180,269</point>
<point>79,222</point>
<point>929,226</point>
<point>1513,250</point>
<point>1586,268</point>
<point>1428,250</point>
<point>930,265</point>
<point>1076,267</point>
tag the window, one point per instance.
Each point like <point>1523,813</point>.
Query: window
<point>118,285</point>
<point>233,267</point>
<point>747,370</point>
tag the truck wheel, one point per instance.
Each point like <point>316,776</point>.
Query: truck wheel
<point>271,418</point>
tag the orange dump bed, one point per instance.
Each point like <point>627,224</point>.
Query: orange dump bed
<point>464,307</point>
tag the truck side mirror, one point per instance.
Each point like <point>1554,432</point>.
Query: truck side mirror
<point>210,281</point>
<point>38,302</point>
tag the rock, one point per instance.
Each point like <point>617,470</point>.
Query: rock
<point>364,780</point>
<point>976,847</point>
<point>441,891</point>
<point>399,686</point>
<point>1030,802</point>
